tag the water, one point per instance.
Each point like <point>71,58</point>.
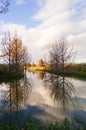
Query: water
<point>45,98</point>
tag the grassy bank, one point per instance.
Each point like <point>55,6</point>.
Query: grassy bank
<point>71,70</point>
<point>7,75</point>
<point>75,74</point>
<point>79,75</point>
<point>31,125</point>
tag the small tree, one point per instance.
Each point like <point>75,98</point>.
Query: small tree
<point>41,62</point>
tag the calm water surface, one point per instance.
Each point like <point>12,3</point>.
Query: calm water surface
<point>45,98</point>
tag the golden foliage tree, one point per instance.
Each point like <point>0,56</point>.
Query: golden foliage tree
<point>15,55</point>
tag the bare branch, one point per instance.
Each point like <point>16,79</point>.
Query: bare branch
<point>4,4</point>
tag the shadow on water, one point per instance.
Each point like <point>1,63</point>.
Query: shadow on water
<point>14,101</point>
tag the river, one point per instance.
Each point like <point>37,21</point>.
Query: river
<point>43,97</point>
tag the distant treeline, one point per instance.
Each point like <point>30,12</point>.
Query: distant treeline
<point>70,70</point>
<point>80,67</point>
<point>69,67</point>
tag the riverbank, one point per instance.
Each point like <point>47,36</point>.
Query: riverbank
<point>79,75</point>
<point>7,75</point>
<point>31,125</point>
<point>75,74</point>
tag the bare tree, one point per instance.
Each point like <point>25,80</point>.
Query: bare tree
<point>66,53</point>
<point>5,49</point>
<point>54,56</point>
<point>60,54</point>
<point>4,4</point>
<point>26,58</point>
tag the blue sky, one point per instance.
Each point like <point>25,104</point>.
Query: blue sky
<point>21,13</point>
<point>41,22</point>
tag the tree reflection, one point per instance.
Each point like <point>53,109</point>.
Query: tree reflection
<point>40,75</point>
<point>15,100</point>
<point>62,91</point>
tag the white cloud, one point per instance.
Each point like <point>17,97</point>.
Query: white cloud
<point>40,2</point>
<point>58,18</point>
<point>51,8</point>
<point>63,18</point>
<point>28,36</point>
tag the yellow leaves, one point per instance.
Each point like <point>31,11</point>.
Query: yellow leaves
<point>15,48</point>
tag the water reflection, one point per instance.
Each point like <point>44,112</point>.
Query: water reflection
<point>40,75</point>
<point>52,98</point>
<point>62,92</point>
<point>15,100</point>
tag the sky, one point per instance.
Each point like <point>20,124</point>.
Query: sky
<point>40,23</point>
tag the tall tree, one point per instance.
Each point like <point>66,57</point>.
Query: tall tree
<point>66,53</point>
<point>54,57</point>
<point>26,58</point>
<point>14,53</point>
<point>60,54</point>
<point>6,49</point>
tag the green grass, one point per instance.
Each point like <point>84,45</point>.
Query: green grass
<point>31,125</point>
<point>81,75</point>
<point>71,70</point>
<point>7,75</point>
<point>74,74</point>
